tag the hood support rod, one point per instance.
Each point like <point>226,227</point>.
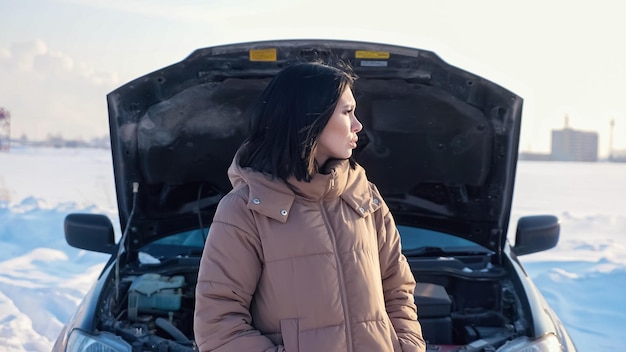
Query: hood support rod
<point>122,244</point>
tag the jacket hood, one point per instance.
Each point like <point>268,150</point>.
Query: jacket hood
<point>274,197</point>
<point>440,143</point>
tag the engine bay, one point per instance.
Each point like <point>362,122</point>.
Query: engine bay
<point>475,308</point>
<point>466,309</point>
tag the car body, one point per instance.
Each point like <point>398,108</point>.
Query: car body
<point>440,143</point>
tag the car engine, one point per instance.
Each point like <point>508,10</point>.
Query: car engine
<point>464,304</point>
<point>155,312</point>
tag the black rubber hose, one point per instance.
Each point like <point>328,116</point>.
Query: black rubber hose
<point>172,330</point>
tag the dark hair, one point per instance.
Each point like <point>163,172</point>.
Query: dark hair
<point>289,117</point>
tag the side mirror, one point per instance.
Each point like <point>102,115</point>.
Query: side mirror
<point>93,232</point>
<point>536,233</point>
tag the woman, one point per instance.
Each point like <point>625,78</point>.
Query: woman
<point>303,254</point>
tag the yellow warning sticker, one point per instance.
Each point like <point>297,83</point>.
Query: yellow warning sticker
<point>367,54</point>
<point>263,54</point>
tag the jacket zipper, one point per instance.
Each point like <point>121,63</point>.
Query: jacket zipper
<point>344,295</point>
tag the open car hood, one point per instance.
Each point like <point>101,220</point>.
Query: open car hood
<point>440,143</point>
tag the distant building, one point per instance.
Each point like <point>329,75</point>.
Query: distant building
<point>534,156</point>
<point>5,129</point>
<point>572,145</point>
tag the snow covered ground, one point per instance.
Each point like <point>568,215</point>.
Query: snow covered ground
<point>42,279</point>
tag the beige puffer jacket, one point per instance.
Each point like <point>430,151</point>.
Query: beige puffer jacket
<point>305,266</point>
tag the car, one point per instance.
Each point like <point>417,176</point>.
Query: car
<point>440,143</point>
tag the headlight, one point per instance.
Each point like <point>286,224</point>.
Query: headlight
<point>546,343</point>
<point>105,342</point>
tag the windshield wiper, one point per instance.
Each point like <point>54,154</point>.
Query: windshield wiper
<point>430,251</point>
<point>425,252</point>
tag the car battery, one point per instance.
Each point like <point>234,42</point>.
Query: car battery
<point>433,311</point>
<point>156,294</point>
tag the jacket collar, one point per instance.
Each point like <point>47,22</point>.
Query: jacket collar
<point>274,198</point>
<point>329,183</point>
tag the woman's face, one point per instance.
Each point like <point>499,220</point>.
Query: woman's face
<point>339,138</point>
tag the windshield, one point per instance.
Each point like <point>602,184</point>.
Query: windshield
<point>417,240</point>
<point>188,243</point>
<point>414,241</point>
<point>192,238</point>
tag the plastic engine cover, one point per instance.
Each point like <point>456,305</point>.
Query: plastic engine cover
<point>153,293</point>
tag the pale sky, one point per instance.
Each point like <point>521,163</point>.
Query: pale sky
<point>59,58</point>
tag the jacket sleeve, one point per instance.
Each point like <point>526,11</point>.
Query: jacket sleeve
<point>398,285</point>
<point>229,271</point>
